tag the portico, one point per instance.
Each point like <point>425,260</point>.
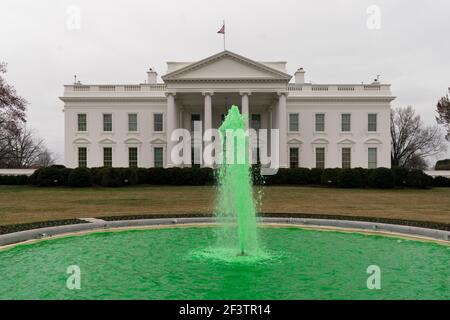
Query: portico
<point>209,87</point>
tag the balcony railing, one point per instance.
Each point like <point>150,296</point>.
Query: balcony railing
<point>116,88</point>
<point>332,89</point>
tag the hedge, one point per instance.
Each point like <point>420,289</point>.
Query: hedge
<point>79,177</point>
<point>442,165</point>
<point>349,178</point>
<point>382,178</point>
<point>119,177</point>
<point>441,182</point>
<point>14,180</point>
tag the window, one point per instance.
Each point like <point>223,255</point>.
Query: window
<point>372,155</point>
<point>132,122</point>
<point>346,122</point>
<point>107,122</point>
<point>346,158</point>
<point>82,122</point>
<point>372,122</point>
<point>158,122</point>
<point>255,121</point>
<point>320,158</point>
<point>158,157</point>
<point>107,157</point>
<point>320,122</point>
<point>293,122</point>
<point>82,157</point>
<point>133,157</point>
<point>293,157</point>
<point>194,117</point>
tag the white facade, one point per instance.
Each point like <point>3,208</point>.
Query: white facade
<point>206,89</point>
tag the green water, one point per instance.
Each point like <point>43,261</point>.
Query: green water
<point>235,203</point>
<point>182,263</point>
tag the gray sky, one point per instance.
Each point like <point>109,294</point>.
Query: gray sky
<point>118,40</point>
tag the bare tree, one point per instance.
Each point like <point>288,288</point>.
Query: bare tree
<point>443,110</point>
<point>12,113</point>
<point>412,140</point>
<point>24,149</point>
<point>12,106</point>
<point>45,159</point>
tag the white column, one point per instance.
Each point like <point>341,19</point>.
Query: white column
<point>245,107</point>
<point>282,124</point>
<point>207,118</point>
<point>170,125</point>
<point>208,111</point>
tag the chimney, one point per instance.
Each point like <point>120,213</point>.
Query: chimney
<point>151,76</point>
<point>299,76</point>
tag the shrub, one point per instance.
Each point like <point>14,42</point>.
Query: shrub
<point>364,175</point>
<point>441,182</point>
<point>208,176</point>
<point>14,180</point>
<point>329,176</point>
<point>157,176</point>
<point>281,177</point>
<point>418,179</point>
<point>128,175</point>
<point>257,178</point>
<point>298,176</point>
<point>400,175</point>
<point>315,175</point>
<point>65,173</point>
<point>142,176</point>
<point>80,177</point>
<point>381,178</point>
<point>48,177</point>
<point>57,166</point>
<point>349,178</point>
<point>442,165</point>
<point>110,177</point>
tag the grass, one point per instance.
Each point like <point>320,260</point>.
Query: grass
<point>25,204</point>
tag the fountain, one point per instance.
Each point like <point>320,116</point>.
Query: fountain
<point>235,201</point>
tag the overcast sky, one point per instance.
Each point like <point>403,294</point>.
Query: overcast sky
<point>117,41</point>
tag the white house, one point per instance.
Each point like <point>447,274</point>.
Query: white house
<point>320,125</point>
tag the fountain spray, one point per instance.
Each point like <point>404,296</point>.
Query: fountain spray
<point>235,197</point>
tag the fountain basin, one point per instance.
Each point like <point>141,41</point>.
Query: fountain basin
<point>184,263</point>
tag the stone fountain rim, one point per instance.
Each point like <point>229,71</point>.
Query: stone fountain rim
<point>99,225</point>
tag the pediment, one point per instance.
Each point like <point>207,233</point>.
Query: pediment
<point>132,141</point>
<point>346,141</point>
<point>107,141</point>
<point>157,141</point>
<point>295,141</point>
<point>81,141</point>
<point>320,141</point>
<point>373,141</point>
<point>226,65</point>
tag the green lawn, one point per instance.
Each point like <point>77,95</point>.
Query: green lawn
<point>23,204</point>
